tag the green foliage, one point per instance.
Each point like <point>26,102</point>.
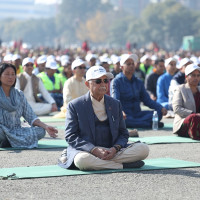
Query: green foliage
<point>166,23</point>
<point>72,13</point>
<point>32,31</point>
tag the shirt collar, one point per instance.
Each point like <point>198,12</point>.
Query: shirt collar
<point>94,100</point>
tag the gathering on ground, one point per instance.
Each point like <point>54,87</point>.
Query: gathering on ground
<point>101,95</point>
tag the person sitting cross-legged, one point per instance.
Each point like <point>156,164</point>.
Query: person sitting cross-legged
<point>186,105</point>
<point>96,131</point>
<point>13,106</point>
<point>130,91</point>
<point>32,86</point>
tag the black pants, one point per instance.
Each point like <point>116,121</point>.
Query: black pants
<point>4,143</point>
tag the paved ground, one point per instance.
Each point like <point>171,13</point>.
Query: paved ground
<point>158,184</point>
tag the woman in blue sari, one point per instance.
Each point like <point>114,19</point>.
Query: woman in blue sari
<point>13,106</point>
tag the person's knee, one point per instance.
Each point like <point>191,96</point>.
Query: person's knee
<point>40,132</point>
<point>82,161</point>
<point>143,150</point>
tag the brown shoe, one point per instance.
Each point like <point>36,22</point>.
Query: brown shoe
<point>133,133</point>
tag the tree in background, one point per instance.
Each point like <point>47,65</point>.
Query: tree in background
<point>164,23</point>
<point>73,13</point>
<point>95,29</point>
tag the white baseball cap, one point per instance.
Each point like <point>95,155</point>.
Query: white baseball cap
<point>143,58</point>
<point>97,72</point>
<point>183,62</point>
<point>51,57</point>
<point>76,63</point>
<point>168,60</point>
<point>51,64</point>
<point>42,59</point>
<point>15,57</point>
<point>104,59</point>
<point>125,57</point>
<point>115,59</point>
<point>89,56</point>
<point>190,68</point>
<point>65,62</point>
<point>64,57</point>
<point>27,60</point>
<point>8,57</point>
<point>195,60</point>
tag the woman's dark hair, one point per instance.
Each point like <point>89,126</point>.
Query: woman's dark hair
<point>4,66</point>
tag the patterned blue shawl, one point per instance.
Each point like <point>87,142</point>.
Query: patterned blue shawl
<point>14,102</point>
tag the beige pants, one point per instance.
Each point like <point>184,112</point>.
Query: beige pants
<point>134,152</point>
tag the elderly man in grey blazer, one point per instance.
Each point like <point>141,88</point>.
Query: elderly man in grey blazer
<point>96,131</point>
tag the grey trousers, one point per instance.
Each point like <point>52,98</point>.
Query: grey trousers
<point>134,152</point>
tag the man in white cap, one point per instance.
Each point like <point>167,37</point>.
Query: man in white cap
<point>16,61</point>
<point>8,58</point>
<point>52,81</point>
<point>163,83</point>
<point>66,71</point>
<point>41,62</point>
<point>116,65</point>
<point>74,87</point>
<point>96,132</point>
<point>91,59</point>
<point>31,85</point>
<point>146,64</point>
<point>130,91</point>
<point>151,79</point>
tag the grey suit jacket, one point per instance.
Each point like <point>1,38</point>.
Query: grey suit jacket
<point>183,105</point>
<point>80,125</point>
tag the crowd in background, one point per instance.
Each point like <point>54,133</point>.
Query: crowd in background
<point>54,68</point>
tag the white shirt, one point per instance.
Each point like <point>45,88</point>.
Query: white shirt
<point>73,89</point>
<point>38,107</point>
<point>99,108</point>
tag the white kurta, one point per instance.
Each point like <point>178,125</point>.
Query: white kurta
<point>73,89</point>
<point>38,108</point>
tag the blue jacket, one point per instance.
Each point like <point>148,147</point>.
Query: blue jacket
<point>80,126</point>
<point>131,93</point>
<point>162,88</point>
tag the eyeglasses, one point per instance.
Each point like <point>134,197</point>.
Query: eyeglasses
<point>29,65</point>
<point>99,81</point>
<point>194,75</point>
<point>81,67</point>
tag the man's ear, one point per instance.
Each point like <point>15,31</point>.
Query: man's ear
<point>87,83</point>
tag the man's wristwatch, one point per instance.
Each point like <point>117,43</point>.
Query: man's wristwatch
<point>117,147</point>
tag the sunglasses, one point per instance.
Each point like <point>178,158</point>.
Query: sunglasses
<point>194,75</point>
<point>99,81</point>
<point>80,67</point>
<point>29,65</point>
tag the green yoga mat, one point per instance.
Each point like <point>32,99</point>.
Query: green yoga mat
<point>50,144</point>
<point>44,144</point>
<point>163,140</point>
<point>51,119</point>
<point>54,170</point>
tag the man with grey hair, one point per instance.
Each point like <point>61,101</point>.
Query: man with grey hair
<point>96,131</point>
